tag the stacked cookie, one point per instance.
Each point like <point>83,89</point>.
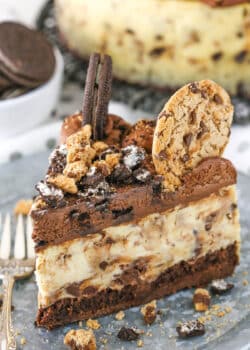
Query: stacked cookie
<point>26,59</point>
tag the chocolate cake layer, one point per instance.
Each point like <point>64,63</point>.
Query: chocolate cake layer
<point>193,273</point>
<point>126,204</point>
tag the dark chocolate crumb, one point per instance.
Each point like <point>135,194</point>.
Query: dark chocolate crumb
<point>127,334</point>
<point>103,265</point>
<point>190,329</point>
<point>220,286</point>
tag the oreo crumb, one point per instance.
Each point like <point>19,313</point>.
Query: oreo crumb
<point>133,156</point>
<point>190,329</point>
<point>220,286</point>
<point>127,334</point>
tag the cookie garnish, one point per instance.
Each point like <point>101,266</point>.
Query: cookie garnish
<point>190,329</point>
<point>220,286</point>
<point>194,124</point>
<point>128,334</point>
<point>97,94</point>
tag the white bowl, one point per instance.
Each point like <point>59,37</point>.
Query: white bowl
<point>22,113</point>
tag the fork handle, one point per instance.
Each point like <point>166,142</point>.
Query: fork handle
<point>7,335</point>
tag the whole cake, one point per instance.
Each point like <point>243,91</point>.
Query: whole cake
<point>163,43</point>
<point>127,214</point>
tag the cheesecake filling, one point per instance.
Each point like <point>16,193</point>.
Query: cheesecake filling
<point>92,263</point>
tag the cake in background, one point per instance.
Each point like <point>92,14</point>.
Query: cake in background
<point>163,43</point>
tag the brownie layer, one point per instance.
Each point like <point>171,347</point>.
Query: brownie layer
<point>186,274</point>
<point>130,203</point>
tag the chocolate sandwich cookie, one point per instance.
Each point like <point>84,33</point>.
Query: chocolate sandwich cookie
<point>97,94</point>
<point>26,57</point>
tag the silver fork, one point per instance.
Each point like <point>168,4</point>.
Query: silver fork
<point>18,266</point>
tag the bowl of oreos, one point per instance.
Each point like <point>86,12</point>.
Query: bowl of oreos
<point>31,72</point>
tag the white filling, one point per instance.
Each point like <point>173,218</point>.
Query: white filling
<point>163,239</point>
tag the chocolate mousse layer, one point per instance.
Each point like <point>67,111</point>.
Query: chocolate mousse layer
<point>129,203</point>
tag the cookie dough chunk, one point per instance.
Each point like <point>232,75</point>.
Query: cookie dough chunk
<point>193,125</point>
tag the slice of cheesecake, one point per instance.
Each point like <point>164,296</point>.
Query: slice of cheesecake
<point>113,230</point>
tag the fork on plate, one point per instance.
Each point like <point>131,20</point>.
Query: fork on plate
<point>17,265</point>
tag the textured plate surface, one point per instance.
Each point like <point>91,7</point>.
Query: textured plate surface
<point>231,331</point>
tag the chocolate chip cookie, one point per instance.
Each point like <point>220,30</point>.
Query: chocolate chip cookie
<point>193,125</point>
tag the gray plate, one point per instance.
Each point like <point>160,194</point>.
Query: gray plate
<point>231,331</point>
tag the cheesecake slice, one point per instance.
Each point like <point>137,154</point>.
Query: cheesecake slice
<point>111,228</point>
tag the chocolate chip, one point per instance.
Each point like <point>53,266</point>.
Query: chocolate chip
<point>103,265</point>
<point>240,57</point>
<point>162,155</point>
<point>129,31</point>
<point>204,129</point>
<point>187,139</point>
<point>192,117</point>
<point>157,51</point>
<point>157,184</point>
<point>127,334</point>
<point>217,56</point>
<point>234,206</point>
<point>218,99</point>
<point>204,94</point>
<point>208,226</point>
<point>220,286</point>
<point>193,88</point>
<point>190,329</point>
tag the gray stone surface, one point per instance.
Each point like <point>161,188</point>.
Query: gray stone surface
<point>230,332</point>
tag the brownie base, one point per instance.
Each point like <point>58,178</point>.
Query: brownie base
<point>186,274</point>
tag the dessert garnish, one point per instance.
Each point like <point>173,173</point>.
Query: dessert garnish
<point>190,329</point>
<point>97,94</point>
<point>26,58</point>
<point>201,299</point>
<point>80,339</point>
<point>194,124</point>
<point>220,286</point>
<point>128,334</point>
<point>149,312</point>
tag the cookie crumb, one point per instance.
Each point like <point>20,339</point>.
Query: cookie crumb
<point>120,315</point>
<point>23,207</point>
<point>128,334</point>
<point>190,329</point>
<point>80,339</point>
<point>140,343</point>
<point>93,324</point>
<point>63,182</point>
<point>245,283</point>
<point>201,299</point>
<point>149,312</point>
<point>23,341</point>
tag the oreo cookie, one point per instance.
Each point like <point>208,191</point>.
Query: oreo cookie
<point>26,57</point>
<point>97,94</point>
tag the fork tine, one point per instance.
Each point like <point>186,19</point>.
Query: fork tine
<point>19,248</point>
<point>6,239</point>
<point>30,244</point>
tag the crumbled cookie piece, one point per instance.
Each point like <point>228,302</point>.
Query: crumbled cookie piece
<point>190,329</point>
<point>133,156</point>
<point>23,207</point>
<point>93,324</point>
<point>120,315</point>
<point>201,299</point>
<point>140,343</point>
<point>191,127</point>
<point>23,341</point>
<point>141,134</point>
<point>128,334</point>
<point>79,153</point>
<point>149,312</point>
<point>220,286</point>
<point>80,339</point>
<point>115,129</point>
<point>112,160</point>
<point>100,147</point>
<point>63,182</point>
<point>57,160</point>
